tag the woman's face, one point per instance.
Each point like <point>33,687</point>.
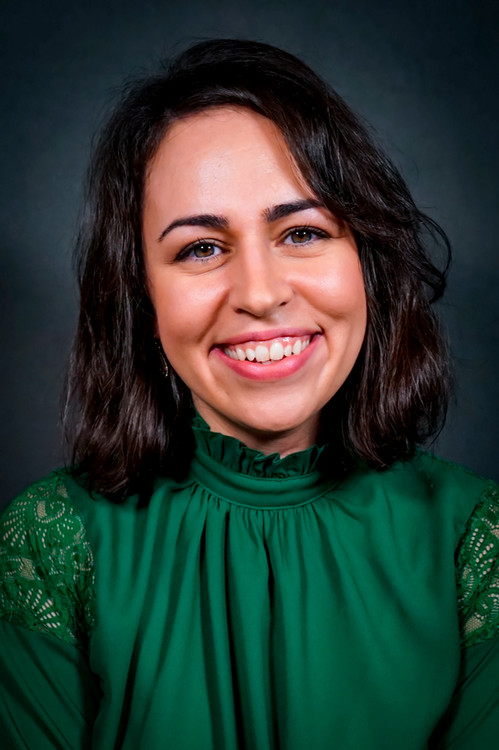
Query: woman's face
<point>257,287</point>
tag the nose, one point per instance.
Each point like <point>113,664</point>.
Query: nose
<point>259,282</point>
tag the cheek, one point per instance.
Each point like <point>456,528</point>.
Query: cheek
<point>173,319</point>
<point>185,310</point>
<point>341,292</point>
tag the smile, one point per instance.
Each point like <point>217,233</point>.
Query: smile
<point>268,351</point>
<point>269,359</point>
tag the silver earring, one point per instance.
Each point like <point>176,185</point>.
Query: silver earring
<point>163,362</point>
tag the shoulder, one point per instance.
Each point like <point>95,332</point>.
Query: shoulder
<point>43,520</point>
<point>452,491</point>
<point>472,501</point>
<point>440,475</point>
<point>461,509</point>
<point>444,490</point>
<point>46,562</point>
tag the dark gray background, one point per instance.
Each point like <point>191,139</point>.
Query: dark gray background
<point>424,73</point>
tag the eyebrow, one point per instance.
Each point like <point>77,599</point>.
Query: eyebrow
<point>213,221</point>
<point>286,209</point>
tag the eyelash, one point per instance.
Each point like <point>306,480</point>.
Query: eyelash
<point>320,233</point>
<point>185,254</point>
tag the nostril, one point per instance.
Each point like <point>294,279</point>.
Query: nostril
<point>260,295</point>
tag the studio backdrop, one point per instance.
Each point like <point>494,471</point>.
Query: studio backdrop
<point>424,74</point>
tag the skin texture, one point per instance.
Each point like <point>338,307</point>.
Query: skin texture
<point>254,276</point>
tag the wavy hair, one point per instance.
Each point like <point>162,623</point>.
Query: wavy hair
<point>125,423</point>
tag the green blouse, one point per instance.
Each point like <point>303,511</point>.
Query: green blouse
<point>258,605</point>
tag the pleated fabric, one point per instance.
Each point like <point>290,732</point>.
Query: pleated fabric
<point>268,604</point>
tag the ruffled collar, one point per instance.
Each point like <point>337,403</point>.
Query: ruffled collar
<point>245,476</point>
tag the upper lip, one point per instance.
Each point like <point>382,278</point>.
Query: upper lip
<point>274,333</point>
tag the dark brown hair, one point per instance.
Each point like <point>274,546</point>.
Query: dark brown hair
<point>126,423</point>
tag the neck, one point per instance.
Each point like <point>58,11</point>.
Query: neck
<point>282,442</point>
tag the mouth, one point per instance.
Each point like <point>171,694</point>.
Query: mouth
<point>268,359</point>
<point>266,352</point>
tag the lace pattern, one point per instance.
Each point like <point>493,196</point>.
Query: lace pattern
<point>478,571</point>
<point>46,564</point>
<point>47,568</point>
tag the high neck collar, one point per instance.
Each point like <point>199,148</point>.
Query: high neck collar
<point>245,476</point>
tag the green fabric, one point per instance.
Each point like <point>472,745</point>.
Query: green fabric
<point>47,581</point>
<point>260,604</point>
<point>478,571</point>
<point>48,697</point>
<point>472,720</point>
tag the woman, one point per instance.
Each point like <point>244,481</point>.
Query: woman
<point>249,551</point>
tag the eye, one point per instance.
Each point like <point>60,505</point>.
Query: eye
<point>200,250</point>
<point>304,235</point>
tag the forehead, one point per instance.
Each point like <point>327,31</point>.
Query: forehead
<point>239,122</point>
<point>222,149</point>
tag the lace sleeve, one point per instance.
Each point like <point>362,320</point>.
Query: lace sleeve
<point>478,571</point>
<point>46,564</point>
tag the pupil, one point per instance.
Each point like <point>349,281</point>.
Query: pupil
<point>302,235</point>
<point>204,249</point>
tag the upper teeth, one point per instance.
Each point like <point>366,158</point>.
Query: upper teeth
<point>266,351</point>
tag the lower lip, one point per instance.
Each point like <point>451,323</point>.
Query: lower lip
<point>283,368</point>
